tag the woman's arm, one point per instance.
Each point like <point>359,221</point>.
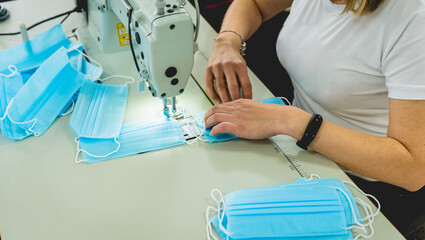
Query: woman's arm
<point>226,66</point>
<point>398,159</point>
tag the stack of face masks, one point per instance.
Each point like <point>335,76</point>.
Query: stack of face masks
<point>45,80</point>
<point>304,209</point>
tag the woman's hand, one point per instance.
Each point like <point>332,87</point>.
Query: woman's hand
<point>227,69</point>
<point>255,120</point>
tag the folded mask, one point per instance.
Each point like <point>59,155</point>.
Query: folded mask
<point>134,138</point>
<point>29,55</point>
<point>38,103</point>
<point>221,137</point>
<point>305,209</point>
<point>10,84</point>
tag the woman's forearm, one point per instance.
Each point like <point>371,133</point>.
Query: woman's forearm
<point>381,158</point>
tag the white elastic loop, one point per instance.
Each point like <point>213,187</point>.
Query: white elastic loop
<point>116,76</point>
<point>313,176</point>
<point>6,114</point>
<point>367,195</point>
<point>198,137</point>
<point>368,211</point>
<point>91,59</point>
<point>209,229</point>
<point>13,71</point>
<point>79,150</point>
<point>221,210</point>
<point>70,110</point>
<point>362,226</point>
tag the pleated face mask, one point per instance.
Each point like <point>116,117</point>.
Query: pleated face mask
<point>304,209</point>
<point>37,104</point>
<point>28,56</point>
<point>10,84</point>
<point>134,138</point>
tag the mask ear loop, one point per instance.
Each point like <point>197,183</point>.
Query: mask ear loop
<point>91,59</point>
<point>13,71</point>
<point>79,150</point>
<point>70,110</point>
<point>358,224</point>
<point>209,229</point>
<point>221,208</point>
<point>30,129</point>
<point>117,76</point>
<point>367,195</point>
<point>313,176</point>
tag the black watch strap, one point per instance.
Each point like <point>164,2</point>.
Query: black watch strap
<point>311,131</point>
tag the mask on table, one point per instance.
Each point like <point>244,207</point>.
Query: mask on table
<point>316,209</point>
<point>29,55</point>
<point>99,113</point>
<point>38,103</point>
<point>135,138</point>
<point>9,85</point>
<point>222,137</point>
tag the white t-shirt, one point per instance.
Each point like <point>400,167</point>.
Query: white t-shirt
<point>346,68</point>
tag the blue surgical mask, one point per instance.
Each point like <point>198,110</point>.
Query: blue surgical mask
<point>38,103</point>
<point>134,138</point>
<point>99,111</point>
<point>222,137</point>
<point>10,84</point>
<point>313,209</point>
<point>28,56</point>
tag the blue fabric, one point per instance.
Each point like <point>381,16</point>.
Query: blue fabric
<point>304,209</point>
<point>37,104</point>
<point>222,137</point>
<point>9,86</point>
<point>136,138</point>
<point>28,56</point>
<point>99,111</point>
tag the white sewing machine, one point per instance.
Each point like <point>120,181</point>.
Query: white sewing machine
<point>163,41</point>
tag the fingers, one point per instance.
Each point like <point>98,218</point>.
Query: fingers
<point>209,80</point>
<point>245,83</point>
<point>221,85</point>
<point>232,82</point>
<point>222,109</point>
<point>225,127</point>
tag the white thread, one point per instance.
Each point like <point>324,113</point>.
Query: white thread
<point>115,76</point>
<point>69,111</point>
<point>79,150</point>
<point>6,114</point>
<point>13,71</point>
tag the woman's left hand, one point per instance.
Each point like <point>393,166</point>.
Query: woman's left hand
<point>251,119</point>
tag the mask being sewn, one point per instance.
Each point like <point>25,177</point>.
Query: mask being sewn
<point>221,137</point>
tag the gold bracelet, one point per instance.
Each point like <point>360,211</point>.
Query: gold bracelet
<point>243,43</point>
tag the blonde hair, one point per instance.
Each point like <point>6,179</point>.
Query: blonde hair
<point>364,7</point>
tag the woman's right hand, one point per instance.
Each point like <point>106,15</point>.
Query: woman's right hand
<point>227,70</point>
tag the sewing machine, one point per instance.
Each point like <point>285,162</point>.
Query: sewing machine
<point>162,45</point>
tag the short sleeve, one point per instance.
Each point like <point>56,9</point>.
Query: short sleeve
<point>404,62</point>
